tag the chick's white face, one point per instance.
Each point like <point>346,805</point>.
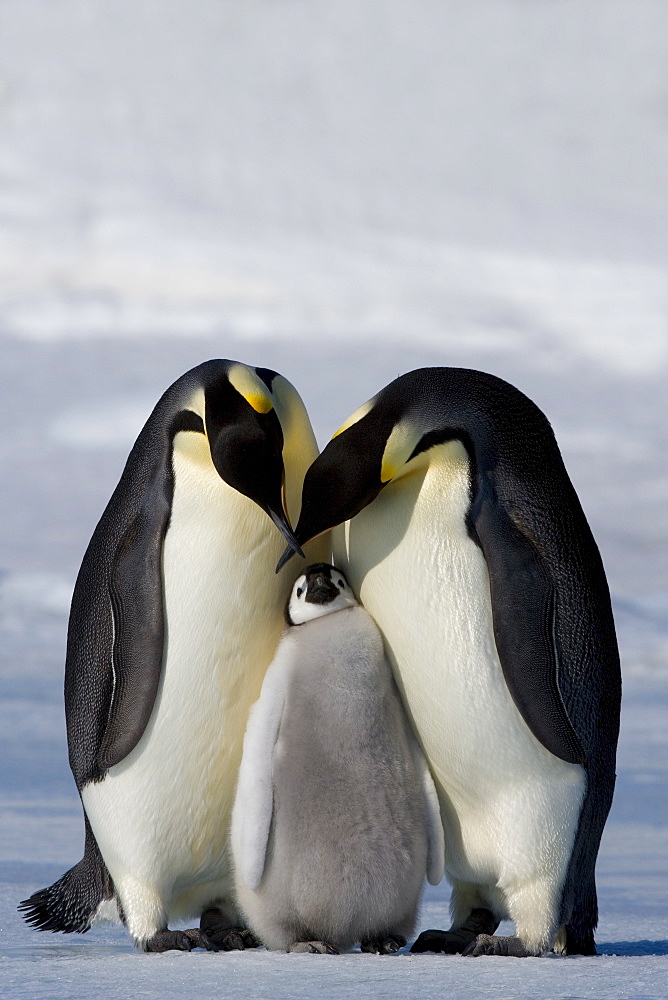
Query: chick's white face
<point>320,590</point>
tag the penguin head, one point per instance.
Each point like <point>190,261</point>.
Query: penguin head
<point>246,414</point>
<point>320,590</point>
<point>377,445</point>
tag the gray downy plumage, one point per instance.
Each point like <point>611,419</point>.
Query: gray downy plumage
<point>336,820</point>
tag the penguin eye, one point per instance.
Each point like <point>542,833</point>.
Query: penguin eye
<point>341,584</point>
<point>300,591</point>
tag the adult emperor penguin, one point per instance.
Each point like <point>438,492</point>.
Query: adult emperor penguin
<point>336,819</point>
<point>463,536</point>
<point>175,617</point>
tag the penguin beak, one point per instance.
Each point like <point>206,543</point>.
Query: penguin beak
<point>290,550</point>
<point>247,453</point>
<point>287,555</point>
<point>280,519</point>
<point>343,479</point>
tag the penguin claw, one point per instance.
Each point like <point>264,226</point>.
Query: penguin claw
<point>167,940</point>
<point>389,945</point>
<point>313,948</point>
<point>238,939</point>
<point>480,923</point>
<point>491,944</point>
<point>201,940</point>
<point>215,927</point>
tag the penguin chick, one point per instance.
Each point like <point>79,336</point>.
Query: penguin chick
<point>336,819</point>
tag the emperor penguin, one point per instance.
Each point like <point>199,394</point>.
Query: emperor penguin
<point>464,538</point>
<point>176,615</point>
<point>336,820</point>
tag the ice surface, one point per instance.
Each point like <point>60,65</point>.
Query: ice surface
<point>341,192</point>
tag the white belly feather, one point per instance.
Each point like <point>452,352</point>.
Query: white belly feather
<point>161,817</point>
<point>509,807</point>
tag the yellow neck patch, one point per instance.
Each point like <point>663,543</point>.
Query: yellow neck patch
<point>398,449</point>
<point>249,385</point>
<point>355,417</point>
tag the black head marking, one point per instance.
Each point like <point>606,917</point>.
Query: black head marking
<point>186,420</point>
<point>247,451</point>
<point>267,376</point>
<point>320,587</point>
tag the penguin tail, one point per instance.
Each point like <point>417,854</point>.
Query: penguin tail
<point>71,904</point>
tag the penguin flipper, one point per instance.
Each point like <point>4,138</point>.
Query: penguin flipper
<point>524,609</point>
<point>116,628</point>
<point>254,805</point>
<point>138,617</point>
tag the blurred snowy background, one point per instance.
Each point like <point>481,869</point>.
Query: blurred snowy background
<point>340,191</point>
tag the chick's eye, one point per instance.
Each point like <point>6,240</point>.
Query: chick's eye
<point>341,584</point>
<point>300,591</point>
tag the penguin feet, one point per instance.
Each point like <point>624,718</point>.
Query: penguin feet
<point>167,940</point>
<point>388,945</point>
<point>313,948</point>
<point>480,923</point>
<point>217,929</point>
<point>490,944</point>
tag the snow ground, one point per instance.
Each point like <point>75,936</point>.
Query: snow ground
<point>343,193</point>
